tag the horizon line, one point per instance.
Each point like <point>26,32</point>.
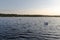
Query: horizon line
<point>16,15</point>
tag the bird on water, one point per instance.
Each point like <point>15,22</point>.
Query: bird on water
<point>45,23</point>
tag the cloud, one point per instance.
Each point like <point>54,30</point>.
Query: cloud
<point>30,12</point>
<point>47,11</point>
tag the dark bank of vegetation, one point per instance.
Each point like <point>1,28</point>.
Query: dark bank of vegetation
<point>16,15</point>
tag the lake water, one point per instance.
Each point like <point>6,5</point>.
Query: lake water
<point>29,28</point>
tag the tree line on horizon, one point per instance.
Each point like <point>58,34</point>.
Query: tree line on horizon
<point>16,15</point>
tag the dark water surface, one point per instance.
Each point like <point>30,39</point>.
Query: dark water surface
<point>29,28</point>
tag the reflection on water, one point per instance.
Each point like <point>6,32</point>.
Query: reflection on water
<point>29,28</point>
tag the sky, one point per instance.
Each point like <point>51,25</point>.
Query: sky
<point>44,7</point>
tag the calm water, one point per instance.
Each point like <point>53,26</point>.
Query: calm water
<point>29,28</point>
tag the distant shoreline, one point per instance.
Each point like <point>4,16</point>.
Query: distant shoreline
<point>16,15</point>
